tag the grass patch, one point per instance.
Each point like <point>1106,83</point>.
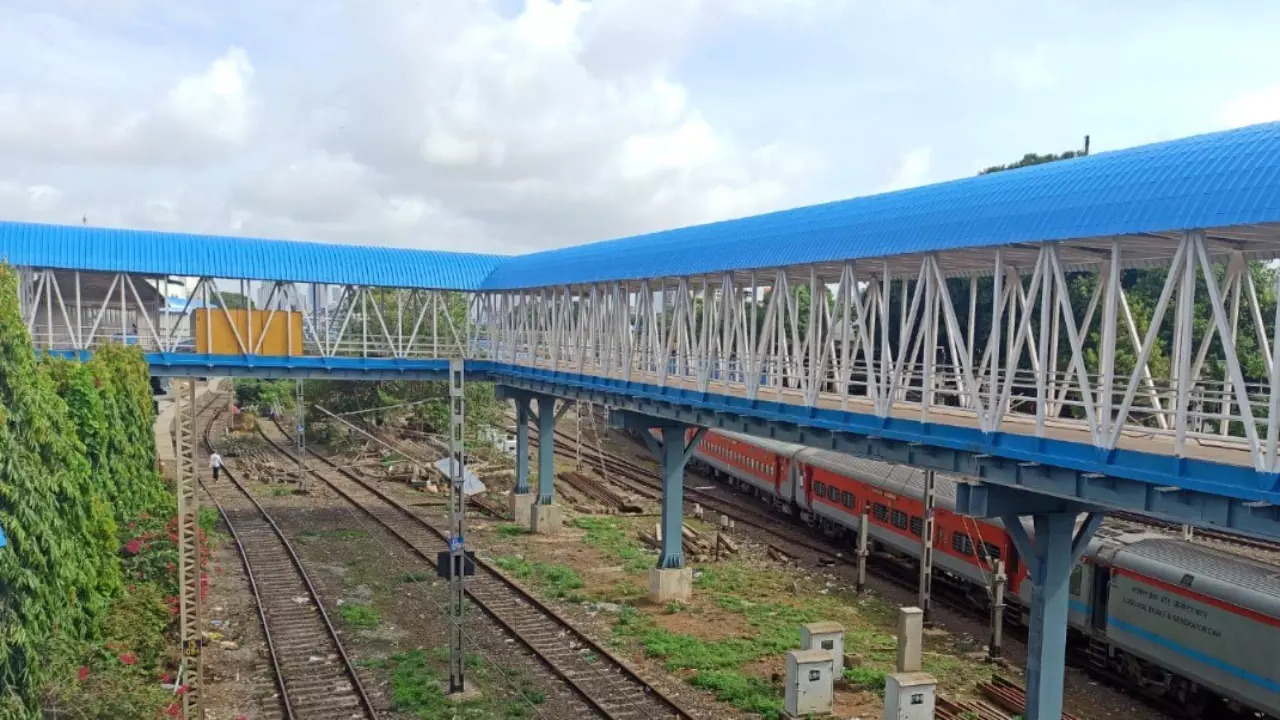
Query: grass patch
<point>208,520</point>
<point>558,580</point>
<point>281,490</point>
<point>609,535</point>
<point>866,678</point>
<point>416,688</point>
<point>361,616</point>
<point>413,577</point>
<point>507,530</point>
<point>717,665</point>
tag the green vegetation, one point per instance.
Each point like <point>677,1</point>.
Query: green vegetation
<point>609,535</point>
<point>361,616</point>
<point>770,627</point>
<point>262,395</point>
<point>511,529</point>
<point>718,665</point>
<point>866,678</point>
<point>417,687</point>
<point>85,577</point>
<point>412,577</point>
<point>557,580</point>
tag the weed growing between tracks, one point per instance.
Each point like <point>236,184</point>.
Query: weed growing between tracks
<point>361,616</point>
<point>559,581</point>
<point>609,535</point>
<point>417,686</point>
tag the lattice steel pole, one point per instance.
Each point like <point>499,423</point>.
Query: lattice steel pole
<point>300,435</point>
<point>457,504</point>
<point>188,547</point>
<point>925,600</point>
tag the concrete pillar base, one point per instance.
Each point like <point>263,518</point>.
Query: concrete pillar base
<point>670,584</point>
<point>522,508</point>
<point>546,519</point>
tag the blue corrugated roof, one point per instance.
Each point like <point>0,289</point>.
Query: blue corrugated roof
<point>161,253</point>
<point>1207,181</point>
<point>1216,180</point>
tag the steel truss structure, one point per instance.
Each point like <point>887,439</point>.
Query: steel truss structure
<point>190,583</point>
<point>77,311</point>
<point>898,338</point>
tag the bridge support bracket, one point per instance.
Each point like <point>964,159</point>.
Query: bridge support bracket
<point>670,580</point>
<point>1060,538</point>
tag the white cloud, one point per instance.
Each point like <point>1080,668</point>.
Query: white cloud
<point>1029,70</point>
<point>913,169</point>
<point>198,116</point>
<point>1251,108</point>
<point>508,125</point>
<point>216,102</point>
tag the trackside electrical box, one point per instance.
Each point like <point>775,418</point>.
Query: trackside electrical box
<point>828,636</point>
<point>909,696</point>
<point>809,683</point>
<point>444,564</point>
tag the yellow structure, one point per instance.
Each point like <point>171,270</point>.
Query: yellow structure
<point>257,332</point>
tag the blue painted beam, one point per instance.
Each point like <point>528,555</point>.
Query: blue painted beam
<point>1050,556</point>
<point>522,446</point>
<point>546,449</point>
<point>1210,494</point>
<point>672,554</point>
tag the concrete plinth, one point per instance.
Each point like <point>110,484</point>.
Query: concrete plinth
<point>522,508</point>
<point>470,693</point>
<point>670,584</point>
<point>546,519</point>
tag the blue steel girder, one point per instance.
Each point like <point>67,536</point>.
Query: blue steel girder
<point>1050,556</point>
<point>1190,491</point>
<point>673,454</point>
<point>522,445</point>
<point>541,408</point>
<point>267,366</point>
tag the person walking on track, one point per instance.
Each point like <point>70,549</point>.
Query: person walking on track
<point>215,464</point>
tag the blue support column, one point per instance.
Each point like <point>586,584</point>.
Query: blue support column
<point>673,459</point>
<point>522,446</point>
<point>1047,634</point>
<point>546,449</point>
<point>1050,556</point>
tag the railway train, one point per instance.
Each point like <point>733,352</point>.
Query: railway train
<point>1183,622</point>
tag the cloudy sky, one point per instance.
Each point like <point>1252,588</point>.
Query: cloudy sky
<point>509,125</point>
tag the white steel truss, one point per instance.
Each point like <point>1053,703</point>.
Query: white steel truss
<point>1040,342</point>
<point>1038,339</point>
<point>70,310</point>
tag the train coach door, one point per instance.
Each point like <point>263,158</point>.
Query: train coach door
<point>1100,596</point>
<point>806,478</point>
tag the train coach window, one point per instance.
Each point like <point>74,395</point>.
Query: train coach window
<point>962,544</point>
<point>847,500</point>
<point>1077,580</point>
<point>991,553</point>
<point>898,519</point>
<point>917,525</point>
<point>833,493</point>
<point>880,512</point>
<point>820,488</point>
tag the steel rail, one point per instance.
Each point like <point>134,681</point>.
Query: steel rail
<point>580,682</point>
<point>288,694</point>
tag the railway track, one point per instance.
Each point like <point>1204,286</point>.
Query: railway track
<point>606,683</point>
<point>314,676</point>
